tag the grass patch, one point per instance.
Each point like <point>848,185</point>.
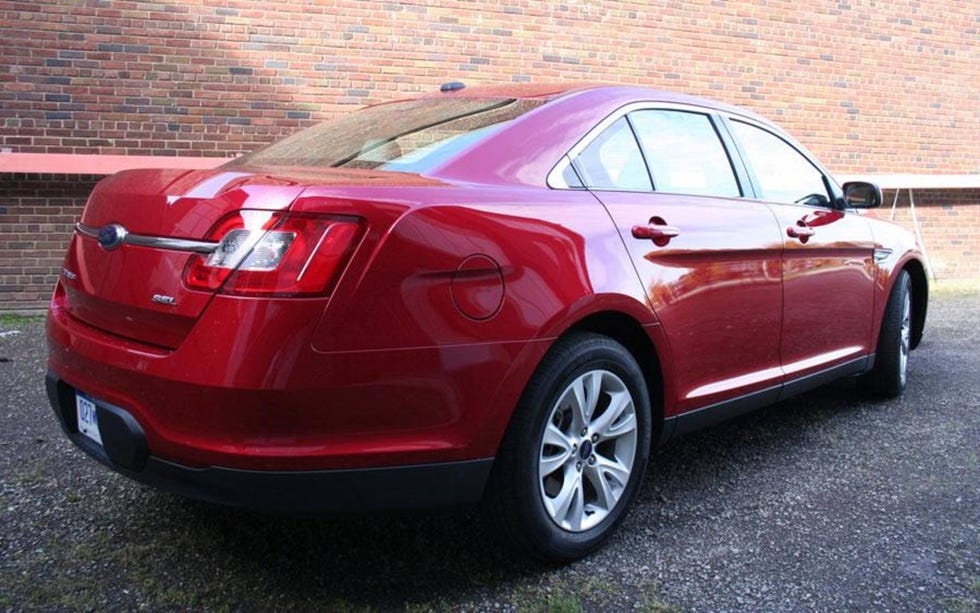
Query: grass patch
<point>556,599</point>
<point>653,604</point>
<point>570,595</point>
<point>563,602</point>
<point>18,319</point>
<point>970,604</point>
<point>31,475</point>
<point>959,605</point>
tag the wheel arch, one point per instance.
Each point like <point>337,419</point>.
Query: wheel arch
<point>920,298</point>
<point>629,333</point>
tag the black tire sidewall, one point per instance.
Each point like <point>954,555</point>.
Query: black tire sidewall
<point>885,379</point>
<point>894,347</point>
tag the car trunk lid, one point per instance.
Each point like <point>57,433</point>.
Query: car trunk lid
<point>137,291</point>
<point>140,292</point>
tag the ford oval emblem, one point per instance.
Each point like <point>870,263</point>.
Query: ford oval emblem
<point>111,236</point>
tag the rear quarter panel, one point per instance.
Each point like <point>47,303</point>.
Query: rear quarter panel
<point>559,255</point>
<point>560,259</point>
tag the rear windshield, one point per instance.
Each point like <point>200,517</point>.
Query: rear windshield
<point>408,136</point>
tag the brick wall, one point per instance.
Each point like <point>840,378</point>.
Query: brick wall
<point>949,221</point>
<point>37,213</point>
<point>869,87</point>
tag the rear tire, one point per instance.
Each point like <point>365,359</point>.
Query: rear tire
<point>575,452</point>
<point>887,378</point>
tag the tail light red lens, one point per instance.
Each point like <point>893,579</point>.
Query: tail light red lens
<point>263,253</point>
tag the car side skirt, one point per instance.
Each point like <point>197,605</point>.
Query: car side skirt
<point>728,409</point>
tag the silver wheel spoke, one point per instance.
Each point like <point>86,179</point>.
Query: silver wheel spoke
<point>553,463</point>
<point>586,390</point>
<point>553,437</point>
<point>556,438</point>
<point>593,387</point>
<point>605,497</point>
<point>906,327</point>
<point>904,339</point>
<point>614,468</point>
<point>606,425</point>
<point>576,513</point>
<point>561,505</point>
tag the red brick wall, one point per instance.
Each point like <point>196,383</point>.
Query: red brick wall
<point>949,222</point>
<point>37,213</point>
<point>868,86</point>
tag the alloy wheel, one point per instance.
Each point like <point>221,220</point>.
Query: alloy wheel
<point>587,450</point>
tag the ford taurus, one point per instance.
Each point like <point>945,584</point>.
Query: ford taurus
<point>506,295</point>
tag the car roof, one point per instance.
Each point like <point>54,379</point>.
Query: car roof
<point>526,149</point>
<point>627,94</point>
<point>546,91</point>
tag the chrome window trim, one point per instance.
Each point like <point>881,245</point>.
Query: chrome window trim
<point>555,180</point>
<point>155,242</point>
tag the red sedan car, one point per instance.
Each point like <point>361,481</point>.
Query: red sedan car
<point>497,294</point>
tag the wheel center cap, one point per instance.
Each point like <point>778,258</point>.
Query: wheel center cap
<point>585,450</point>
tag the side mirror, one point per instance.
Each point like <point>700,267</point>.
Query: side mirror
<point>861,195</point>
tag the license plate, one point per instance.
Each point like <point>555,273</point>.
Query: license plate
<point>88,417</point>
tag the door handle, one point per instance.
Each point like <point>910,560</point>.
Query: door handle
<point>655,232</point>
<point>800,231</point>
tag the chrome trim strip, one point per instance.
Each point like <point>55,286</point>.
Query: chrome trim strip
<point>173,244</point>
<point>156,242</point>
<point>87,231</point>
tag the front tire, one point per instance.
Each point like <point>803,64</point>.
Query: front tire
<point>575,452</point>
<point>887,378</point>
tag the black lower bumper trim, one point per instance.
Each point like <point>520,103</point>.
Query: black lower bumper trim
<point>385,488</point>
<point>362,489</point>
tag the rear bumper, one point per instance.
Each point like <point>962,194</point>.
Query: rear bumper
<point>245,390</point>
<point>125,450</point>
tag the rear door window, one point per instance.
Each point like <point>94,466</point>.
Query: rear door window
<point>613,161</point>
<point>684,153</point>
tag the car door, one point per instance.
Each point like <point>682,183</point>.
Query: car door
<point>708,258</point>
<point>827,264</point>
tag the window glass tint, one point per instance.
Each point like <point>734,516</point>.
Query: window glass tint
<point>685,154</point>
<point>782,172</point>
<point>571,177</point>
<point>408,136</point>
<point>613,160</point>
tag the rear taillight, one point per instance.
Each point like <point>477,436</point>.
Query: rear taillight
<point>265,253</point>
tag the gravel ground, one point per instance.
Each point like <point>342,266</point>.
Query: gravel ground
<point>824,502</point>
